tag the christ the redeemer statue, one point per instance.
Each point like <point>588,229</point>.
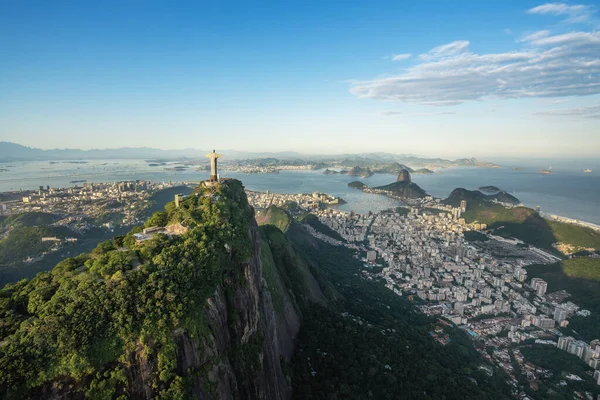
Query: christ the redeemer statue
<point>213,165</point>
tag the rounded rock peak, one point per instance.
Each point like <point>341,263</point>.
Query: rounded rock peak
<point>404,176</point>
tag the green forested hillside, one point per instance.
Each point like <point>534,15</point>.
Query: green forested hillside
<point>527,225</point>
<point>78,325</point>
<point>579,277</point>
<point>28,219</point>
<point>23,235</point>
<point>372,343</point>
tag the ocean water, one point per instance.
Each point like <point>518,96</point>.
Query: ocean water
<point>567,192</point>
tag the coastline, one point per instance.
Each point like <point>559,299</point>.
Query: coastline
<point>552,193</point>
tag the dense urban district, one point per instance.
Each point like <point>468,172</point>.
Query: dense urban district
<point>543,333</point>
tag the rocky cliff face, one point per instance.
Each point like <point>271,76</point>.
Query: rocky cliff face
<point>239,354</point>
<point>404,176</point>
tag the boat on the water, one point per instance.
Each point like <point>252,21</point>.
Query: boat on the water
<point>587,171</point>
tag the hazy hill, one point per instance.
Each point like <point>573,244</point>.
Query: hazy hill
<point>475,196</point>
<point>386,162</point>
<point>523,223</point>
<point>404,189</point>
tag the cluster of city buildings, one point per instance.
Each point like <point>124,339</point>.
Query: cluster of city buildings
<point>266,169</point>
<point>309,202</point>
<point>169,230</point>
<point>87,202</point>
<point>481,287</point>
<point>81,208</point>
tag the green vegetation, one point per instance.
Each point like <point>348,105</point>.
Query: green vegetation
<point>403,211</point>
<point>21,270</point>
<point>28,219</point>
<point>473,236</point>
<point>360,171</point>
<point>554,359</point>
<point>24,237</point>
<point>372,344</point>
<point>295,275</point>
<point>22,242</point>
<point>26,241</point>
<point>490,189</point>
<point>313,221</point>
<point>270,274</point>
<point>357,185</point>
<point>584,292</point>
<point>403,189</point>
<point>274,216</point>
<point>525,224</point>
<point>434,211</point>
<point>560,363</point>
<point>575,235</point>
<point>582,267</point>
<point>475,197</point>
<point>84,322</point>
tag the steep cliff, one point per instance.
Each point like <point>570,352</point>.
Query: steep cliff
<point>404,176</point>
<point>209,313</point>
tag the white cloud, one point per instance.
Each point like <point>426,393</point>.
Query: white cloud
<point>583,112</point>
<point>536,35</point>
<point>571,39</point>
<point>400,57</point>
<point>446,50</point>
<point>575,13</point>
<point>549,66</point>
<point>557,9</point>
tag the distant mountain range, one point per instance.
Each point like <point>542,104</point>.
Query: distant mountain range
<point>16,152</point>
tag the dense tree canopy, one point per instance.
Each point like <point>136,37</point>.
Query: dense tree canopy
<point>87,316</point>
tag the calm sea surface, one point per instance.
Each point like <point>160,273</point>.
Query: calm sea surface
<point>568,191</point>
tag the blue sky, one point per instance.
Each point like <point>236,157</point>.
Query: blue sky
<point>435,78</point>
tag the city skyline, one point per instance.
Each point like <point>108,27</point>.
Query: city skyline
<point>516,79</point>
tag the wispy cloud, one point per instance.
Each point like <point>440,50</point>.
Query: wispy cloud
<point>582,112</point>
<point>427,114</point>
<point>575,13</point>
<point>536,35</point>
<point>446,50</point>
<point>552,101</point>
<point>546,66</point>
<point>401,57</point>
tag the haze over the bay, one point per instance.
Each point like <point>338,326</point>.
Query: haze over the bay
<point>469,79</point>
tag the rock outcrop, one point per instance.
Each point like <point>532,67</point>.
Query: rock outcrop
<point>239,352</point>
<point>404,176</point>
<point>403,187</point>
